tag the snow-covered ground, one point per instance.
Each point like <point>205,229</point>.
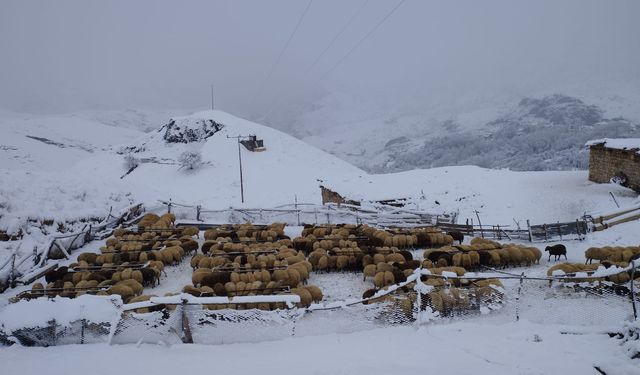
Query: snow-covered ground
<point>76,176</point>
<point>69,174</point>
<point>459,348</point>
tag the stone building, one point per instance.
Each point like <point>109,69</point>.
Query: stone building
<point>615,160</point>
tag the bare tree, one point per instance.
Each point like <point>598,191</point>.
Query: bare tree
<point>190,159</point>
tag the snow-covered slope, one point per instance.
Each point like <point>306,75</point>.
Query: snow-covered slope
<point>38,177</point>
<point>499,196</point>
<point>78,173</point>
<point>55,143</point>
<point>543,131</point>
<point>70,168</point>
<point>286,169</point>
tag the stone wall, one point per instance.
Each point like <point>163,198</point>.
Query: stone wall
<point>605,163</point>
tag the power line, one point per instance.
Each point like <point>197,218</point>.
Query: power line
<point>277,97</point>
<point>344,28</point>
<point>366,36</point>
<point>284,49</point>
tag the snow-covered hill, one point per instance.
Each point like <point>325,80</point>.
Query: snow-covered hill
<point>286,169</point>
<point>536,132</point>
<point>55,142</point>
<point>73,170</point>
<point>65,169</point>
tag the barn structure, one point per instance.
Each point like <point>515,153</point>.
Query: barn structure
<point>331,196</point>
<point>252,143</point>
<point>615,160</point>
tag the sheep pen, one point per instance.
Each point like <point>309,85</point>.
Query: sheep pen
<point>246,273</point>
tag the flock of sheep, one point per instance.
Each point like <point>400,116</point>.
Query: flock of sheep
<point>613,258</point>
<point>127,263</point>
<point>257,260</point>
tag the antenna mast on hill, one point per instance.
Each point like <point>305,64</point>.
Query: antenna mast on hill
<point>211,96</point>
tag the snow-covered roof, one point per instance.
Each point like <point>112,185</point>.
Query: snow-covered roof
<point>632,144</point>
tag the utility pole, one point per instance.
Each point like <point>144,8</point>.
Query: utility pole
<point>240,164</point>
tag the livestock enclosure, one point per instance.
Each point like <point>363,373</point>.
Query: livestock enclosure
<point>380,216</point>
<point>185,319</point>
<point>160,281</point>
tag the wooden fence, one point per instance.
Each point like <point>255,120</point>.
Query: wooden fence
<point>307,213</point>
<point>576,230</point>
<point>602,222</point>
<point>31,266</point>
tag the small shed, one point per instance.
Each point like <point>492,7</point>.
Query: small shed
<point>330,196</point>
<point>252,143</point>
<point>616,160</point>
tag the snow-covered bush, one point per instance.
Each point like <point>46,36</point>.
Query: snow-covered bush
<point>630,339</point>
<point>190,159</point>
<point>130,162</point>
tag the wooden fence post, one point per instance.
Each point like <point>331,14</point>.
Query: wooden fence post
<point>529,230</point>
<point>632,294</point>
<point>578,230</point>
<point>560,231</point>
<point>480,224</point>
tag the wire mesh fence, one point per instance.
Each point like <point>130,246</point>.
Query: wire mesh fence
<point>423,299</point>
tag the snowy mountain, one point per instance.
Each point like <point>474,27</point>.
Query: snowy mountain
<point>539,134</point>
<point>543,132</point>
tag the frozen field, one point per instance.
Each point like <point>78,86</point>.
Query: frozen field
<point>458,348</point>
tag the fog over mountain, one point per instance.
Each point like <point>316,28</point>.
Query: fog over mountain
<point>306,67</point>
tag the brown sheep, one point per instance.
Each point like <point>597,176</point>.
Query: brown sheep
<point>191,231</point>
<point>369,271</point>
<point>378,280</point>
<point>190,289</point>
<point>124,291</point>
<point>305,296</point>
<point>316,293</point>
<point>389,278</point>
<point>294,278</point>
<point>134,285</point>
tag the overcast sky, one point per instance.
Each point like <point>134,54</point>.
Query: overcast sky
<point>58,56</point>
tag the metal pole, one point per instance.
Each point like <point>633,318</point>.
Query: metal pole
<point>518,298</point>
<point>241,180</point>
<point>212,97</point>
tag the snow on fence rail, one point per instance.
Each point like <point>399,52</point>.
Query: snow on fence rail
<point>306,213</point>
<point>607,220</point>
<point>563,299</point>
<point>33,265</point>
